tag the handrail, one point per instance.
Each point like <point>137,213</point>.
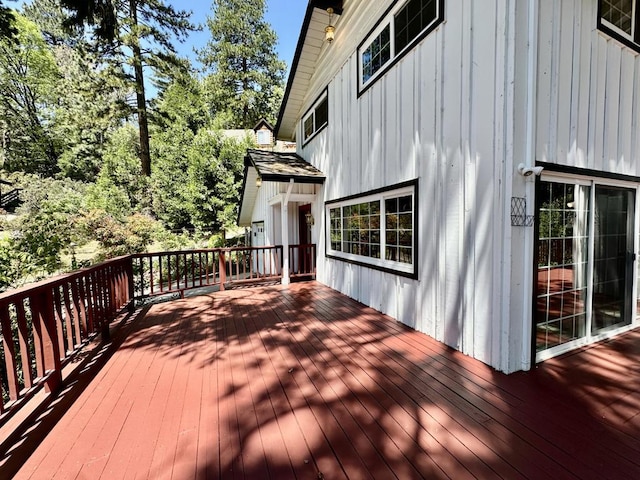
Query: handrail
<point>42,325</point>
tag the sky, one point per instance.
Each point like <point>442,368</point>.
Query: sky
<point>285,17</point>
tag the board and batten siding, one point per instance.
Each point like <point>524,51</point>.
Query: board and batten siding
<point>588,92</point>
<point>439,115</point>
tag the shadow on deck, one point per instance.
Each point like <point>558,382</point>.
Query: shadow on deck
<point>303,382</point>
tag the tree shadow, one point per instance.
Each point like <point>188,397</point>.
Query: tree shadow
<point>303,382</point>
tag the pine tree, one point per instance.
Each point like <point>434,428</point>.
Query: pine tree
<point>247,78</point>
<point>138,33</point>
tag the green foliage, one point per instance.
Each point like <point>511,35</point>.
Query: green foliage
<point>182,103</point>
<point>47,221</point>
<point>116,238</point>
<point>28,77</point>
<point>120,187</point>
<point>7,27</point>
<point>197,177</point>
<point>247,78</point>
<point>14,264</point>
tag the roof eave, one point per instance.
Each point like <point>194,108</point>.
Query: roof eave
<point>337,6</point>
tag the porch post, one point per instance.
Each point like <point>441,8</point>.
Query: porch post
<point>284,212</point>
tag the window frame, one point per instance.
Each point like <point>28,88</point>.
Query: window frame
<point>310,114</point>
<point>632,41</point>
<point>388,19</point>
<point>261,133</point>
<point>409,270</point>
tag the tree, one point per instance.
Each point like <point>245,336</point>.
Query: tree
<point>47,221</point>
<point>7,28</point>
<point>139,33</point>
<point>119,188</point>
<point>28,79</point>
<point>90,93</point>
<point>246,80</point>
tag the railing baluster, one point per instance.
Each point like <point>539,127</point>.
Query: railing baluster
<point>10,357</point>
<point>23,340</point>
<point>82,302</point>
<point>68,316</point>
<point>37,338</point>
<point>151,275</point>
<point>57,313</point>
<point>43,316</point>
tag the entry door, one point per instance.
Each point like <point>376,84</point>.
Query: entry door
<point>304,231</point>
<point>613,258</point>
<point>258,258</point>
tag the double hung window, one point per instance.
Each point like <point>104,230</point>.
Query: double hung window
<point>399,30</point>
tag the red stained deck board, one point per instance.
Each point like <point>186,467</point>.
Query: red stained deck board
<point>285,383</point>
<point>395,394</point>
<point>328,351</point>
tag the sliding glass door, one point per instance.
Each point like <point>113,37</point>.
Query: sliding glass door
<point>613,258</point>
<point>585,263</point>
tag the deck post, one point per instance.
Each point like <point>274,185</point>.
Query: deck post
<point>284,211</point>
<point>222,268</point>
<point>45,317</point>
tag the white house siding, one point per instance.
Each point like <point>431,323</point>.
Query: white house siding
<point>439,115</point>
<point>588,92</point>
<point>271,214</point>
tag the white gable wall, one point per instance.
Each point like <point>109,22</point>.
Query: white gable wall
<point>438,115</point>
<point>498,83</point>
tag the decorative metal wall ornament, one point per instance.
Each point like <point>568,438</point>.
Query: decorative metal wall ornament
<point>519,217</point>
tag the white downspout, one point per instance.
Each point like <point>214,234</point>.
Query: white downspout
<point>530,161</point>
<point>284,212</point>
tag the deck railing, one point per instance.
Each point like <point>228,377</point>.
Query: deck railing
<point>45,324</point>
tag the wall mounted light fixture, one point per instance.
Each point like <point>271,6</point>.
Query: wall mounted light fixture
<point>330,30</point>
<point>528,171</point>
<point>258,182</point>
<point>309,218</point>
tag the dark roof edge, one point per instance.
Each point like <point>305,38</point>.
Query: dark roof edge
<point>294,65</point>
<point>244,186</point>
<point>272,177</point>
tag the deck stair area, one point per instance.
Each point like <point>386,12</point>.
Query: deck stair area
<point>10,199</point>
<point>302,382</point>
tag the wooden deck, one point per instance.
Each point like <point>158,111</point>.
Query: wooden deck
<point>306,383</point>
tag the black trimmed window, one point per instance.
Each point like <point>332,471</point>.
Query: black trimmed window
<point>376,229</point>
<point>316,118</point>
<point>620,19</point>
<point>401,28</point>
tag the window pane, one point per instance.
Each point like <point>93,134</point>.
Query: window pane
<point>376,54</point>
<point>404,203</point>
<point>336,229</point>
<point>619,13</point>
<point>308,126</point>
<point>322,114</point>
<point>412,20</point>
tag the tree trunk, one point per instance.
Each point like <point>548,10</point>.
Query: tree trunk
<point>143,125</point>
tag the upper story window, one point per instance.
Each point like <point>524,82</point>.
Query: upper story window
<point>402,27</point>
<point>619,18</point>
<point>377,229</point>
<point>316,118</point>
<point>263,137</point>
